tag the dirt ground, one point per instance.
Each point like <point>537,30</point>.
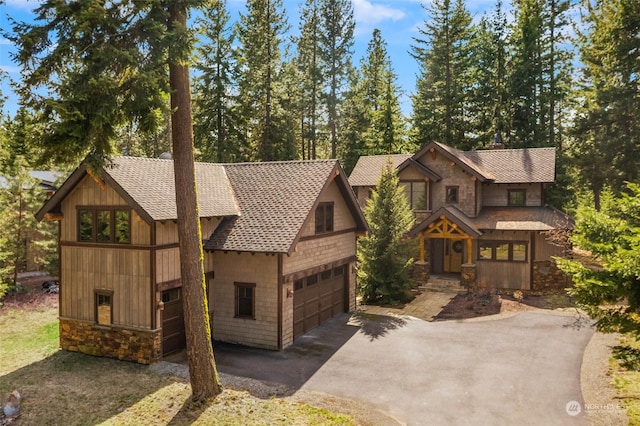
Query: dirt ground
<point>465,306</point>
<point>31,294</point>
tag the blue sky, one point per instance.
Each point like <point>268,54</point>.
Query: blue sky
<point>398,20</point>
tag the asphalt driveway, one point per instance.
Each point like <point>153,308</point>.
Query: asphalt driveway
<point>523,369</point>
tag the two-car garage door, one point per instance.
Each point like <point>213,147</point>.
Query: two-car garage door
<point>317,298</point>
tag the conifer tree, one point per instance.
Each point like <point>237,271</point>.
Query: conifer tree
<point>386,130</point>
<point>261,33</point>
<point>336,44</point>
<point>218,124</point>
<point>384,255</point>
<point>610,294</point>
<point>443,85</point>
<point>103,65</point>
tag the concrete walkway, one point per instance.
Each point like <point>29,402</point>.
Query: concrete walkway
<point>434,297</point>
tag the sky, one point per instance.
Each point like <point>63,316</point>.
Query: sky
<point>398,21</point>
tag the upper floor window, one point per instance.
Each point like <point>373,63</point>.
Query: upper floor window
<point>324,218</point>
<point>416,193</point>
<point>104,225</point>
<point>517,197</point>
<point>452,194</point>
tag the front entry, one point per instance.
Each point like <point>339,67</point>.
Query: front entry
<point>453,251</point>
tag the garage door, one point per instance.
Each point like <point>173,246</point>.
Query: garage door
<point>317,298</point>
<point>173,335</point>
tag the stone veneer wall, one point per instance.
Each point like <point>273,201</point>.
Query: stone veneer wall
<point>468,277</point>
<point>548,278</point>
<point>127,344</point>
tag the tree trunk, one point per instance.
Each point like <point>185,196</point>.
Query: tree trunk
<point>202,368</point>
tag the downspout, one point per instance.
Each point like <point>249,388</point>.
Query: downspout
<point>280,287</point>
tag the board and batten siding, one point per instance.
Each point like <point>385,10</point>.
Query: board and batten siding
<point>496,195</point>
<point>258,268</point>
<point>87,267</point>
<point>504,274</point>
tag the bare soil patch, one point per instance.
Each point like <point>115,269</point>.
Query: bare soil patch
<point>30,295</point>
<point>465,306</point>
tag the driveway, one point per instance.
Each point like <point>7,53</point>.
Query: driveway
<point>523,369</point>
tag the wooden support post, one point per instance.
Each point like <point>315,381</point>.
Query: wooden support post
<point>469,249</point>
<point>421,248</point>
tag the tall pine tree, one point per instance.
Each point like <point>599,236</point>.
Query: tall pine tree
<point>443,87</point>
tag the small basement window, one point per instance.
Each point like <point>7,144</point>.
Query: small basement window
<point>104,307</point>
<point>245,300</point>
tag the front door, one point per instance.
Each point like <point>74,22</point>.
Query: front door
<point>453,250</point>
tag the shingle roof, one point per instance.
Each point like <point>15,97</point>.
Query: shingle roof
<point>275,199</point>
<point>369,168</point>
<point>150,183</point>
<point>522,219</point>
<point>517,165</point>
<point>530,165</point>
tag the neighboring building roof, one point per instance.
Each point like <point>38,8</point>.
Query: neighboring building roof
<point>530,165</point>
<point>369,168</point>
<point>149,182</point>
<point>522,219</point>
<point>47,179</point>
<point>276,198</point>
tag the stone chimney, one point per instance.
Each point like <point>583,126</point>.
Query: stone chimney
<point>497,141</point>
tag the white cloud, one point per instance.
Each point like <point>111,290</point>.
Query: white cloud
<point>10,69</point>
<point>367,13</point>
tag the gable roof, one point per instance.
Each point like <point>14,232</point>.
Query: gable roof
<point>529,165</point>
<point>454,214</point>
<point>368,169</point>
<point>276,199</point>
<point>148,185</point>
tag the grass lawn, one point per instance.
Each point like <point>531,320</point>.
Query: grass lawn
<point>65,388</point>
<point>625,369</point>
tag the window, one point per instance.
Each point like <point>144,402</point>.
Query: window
<point>104,307</point>
<point>245,300</point>
<point>416,194</point>
<point>110,225</point>
<point>510,251</point>
<point>452,194</point>
<point>324,218</point>
<point>325,275</point>
<point>312,279</point>
<point>517,197</point>
<point>172,295</point>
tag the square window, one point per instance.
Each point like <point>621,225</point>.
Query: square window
<point>104,308</point>
<point>325,275</point>
<point>312,279</point>
<point>517,197</point>
<point>245,300</point>
<point>452,194</point>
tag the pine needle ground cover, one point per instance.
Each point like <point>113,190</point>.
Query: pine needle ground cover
<point>64,388</point>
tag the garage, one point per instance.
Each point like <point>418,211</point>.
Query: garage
<point>173,335</point>
<point>317,298</point>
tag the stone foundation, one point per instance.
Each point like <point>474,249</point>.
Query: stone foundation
<point>420,273</point>
<point>127,344</point>
<point>548,278</point>
<point>468,277</point>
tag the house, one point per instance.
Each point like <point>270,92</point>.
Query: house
<point>280,241</point>
<point>479,214</point>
